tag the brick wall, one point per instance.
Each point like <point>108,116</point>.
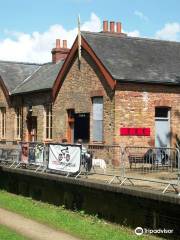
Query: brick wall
<point>37,101</point>
<point>135,107</point>
<point>132,105</point>
<point>76,92</point>
<point>10,118</point>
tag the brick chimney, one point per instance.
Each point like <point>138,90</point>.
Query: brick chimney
<point>105,26</point>
<point>59,53</point>
<point>118,27</point>
<point>112,29</point>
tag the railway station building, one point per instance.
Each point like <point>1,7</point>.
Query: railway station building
<point>116,90</point>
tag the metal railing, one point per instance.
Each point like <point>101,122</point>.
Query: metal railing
<point>12,154</point>
<point>157,168</point>
<point>9,153</point>
<point>105,161</point>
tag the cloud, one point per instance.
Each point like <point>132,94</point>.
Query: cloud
<point>134,33</point>
<point>94,25</point>
<point>141,15</point>
<point>36,47</point>
<point>171,31</point>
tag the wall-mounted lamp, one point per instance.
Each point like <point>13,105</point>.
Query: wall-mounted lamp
<point>29,109</point>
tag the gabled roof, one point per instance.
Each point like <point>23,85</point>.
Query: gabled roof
<point>42,79</point>
<point>123,59</point>
<point>137,59</point>
<point>68,61</point>
<point>13,73</point>
<point>127,59</point>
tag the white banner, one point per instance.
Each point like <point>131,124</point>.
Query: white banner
<point>66,158</point>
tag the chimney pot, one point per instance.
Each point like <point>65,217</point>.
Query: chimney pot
<point>105,26</point>
<point>118,27</point>
<point>64,43</point>
<point>111,26</point>
<point>58,43</point>
<point>59,53</point>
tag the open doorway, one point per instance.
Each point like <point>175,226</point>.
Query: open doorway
<point>32,128</point>
<point>82,127</point>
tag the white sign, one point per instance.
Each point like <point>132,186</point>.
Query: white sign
<point>66,158</point>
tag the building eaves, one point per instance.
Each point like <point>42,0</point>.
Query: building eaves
<point>41,80</point>
<point>137,59</point>
<point>14,73</point>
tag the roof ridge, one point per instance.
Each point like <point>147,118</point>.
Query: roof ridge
<point>27,63</point>
<point>108,34</point>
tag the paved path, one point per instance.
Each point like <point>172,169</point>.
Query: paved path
<point>31,229</point>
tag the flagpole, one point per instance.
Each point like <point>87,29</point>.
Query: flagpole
<point>79,41</point>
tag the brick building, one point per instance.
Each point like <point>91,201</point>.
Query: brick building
<point>123,90</point>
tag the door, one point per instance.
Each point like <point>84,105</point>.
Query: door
<point>32,128</point>
<point>70,129</point>
<point>82,127</point>
<point>162,127</point>
<point>162,134</point>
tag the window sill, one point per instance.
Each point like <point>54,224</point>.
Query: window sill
<point>17,139</point>
<point>48,140</point>
<point>97,143</point>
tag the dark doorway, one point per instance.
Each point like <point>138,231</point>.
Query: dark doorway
<point>81,127</point>
<point>32,128</point>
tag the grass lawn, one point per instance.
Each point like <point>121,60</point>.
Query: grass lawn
<point>7,234</point>
<point>76,223</point>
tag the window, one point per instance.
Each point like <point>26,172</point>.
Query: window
<point>161,112</point>
<point>3,123</point>
<point>18,123</point>
<point>98,119</point>
<point>48,117</point>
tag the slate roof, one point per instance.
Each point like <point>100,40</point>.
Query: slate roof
<point>13,73</point>
<point>42,79</point>
<point>137,59</point>
<point>126,58</point>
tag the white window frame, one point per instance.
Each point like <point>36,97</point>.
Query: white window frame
<point>48,122</point>
<point>18,123</point>
<point>3,122</point>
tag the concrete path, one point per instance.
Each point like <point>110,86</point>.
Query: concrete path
<point>31,229</point>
